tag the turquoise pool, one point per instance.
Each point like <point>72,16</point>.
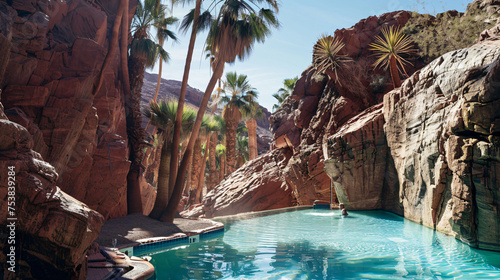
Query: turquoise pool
<point>321,244</point>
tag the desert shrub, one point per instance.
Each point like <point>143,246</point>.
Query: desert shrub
<point>448,31</point>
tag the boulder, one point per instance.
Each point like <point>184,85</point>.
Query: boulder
<point>53,230</point>
<point>258,185</point>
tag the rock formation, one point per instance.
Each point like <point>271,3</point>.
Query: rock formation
<point>56,51</point>
<point>258,185</point>
<point>53,230</point>
<point>442,130</point>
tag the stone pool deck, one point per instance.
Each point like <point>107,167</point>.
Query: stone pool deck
<point>137,229</point>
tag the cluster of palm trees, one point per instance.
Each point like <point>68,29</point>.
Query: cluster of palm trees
<point>234,26</point>
<point>216,133</point>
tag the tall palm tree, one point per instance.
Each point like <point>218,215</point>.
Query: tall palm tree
<point>162,116</point>
<point>206,132</point>
<point>284,92</point>
<point>239,97</point>
<point>173,184</point>
<point>144,52</point>
<point>212,153</point>
<point>390,51</point>
<point>238,25</point>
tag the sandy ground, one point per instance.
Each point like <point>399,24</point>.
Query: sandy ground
<point>134,227</point>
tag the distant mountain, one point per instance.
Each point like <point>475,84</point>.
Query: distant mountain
<point>170,89</point>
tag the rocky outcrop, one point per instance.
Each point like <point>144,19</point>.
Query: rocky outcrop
<point>442,130</point>
<point>258,185</point>
<point>56,52</point>
<point>52,230</point>
<point>360,166</point>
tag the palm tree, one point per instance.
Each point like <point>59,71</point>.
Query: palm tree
<point>234,31</point>
<point>173,184</point>
<point>241,97</point>
<point>327,58</point>
<point>284,92</point>
<point>162,34</point>
<point>220,152</point>
<point>390,51</point>
<point>143,53</point>
<point>250,114</point>
<point>162,116</point>
<point>206,132</point>
<point>242,150</point>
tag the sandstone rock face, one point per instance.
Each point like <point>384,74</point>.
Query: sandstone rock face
<point>258,185</point>
<point>442,131</point>
<point>57,50</point>
<point>53,230</point>
<point>358,162</point>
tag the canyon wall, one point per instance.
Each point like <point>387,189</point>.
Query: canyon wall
<point>67,144</point>
<point>55,51</point>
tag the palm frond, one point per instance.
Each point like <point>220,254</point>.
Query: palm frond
<point>327,56</point>
<point>392,43</point>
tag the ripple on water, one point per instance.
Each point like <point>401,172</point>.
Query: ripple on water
<point>319,244</point>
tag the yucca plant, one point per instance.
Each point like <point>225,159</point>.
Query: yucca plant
<point>327,58</point>
<point>390,51</point>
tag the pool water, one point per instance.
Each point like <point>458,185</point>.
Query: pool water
<point>321,244</point>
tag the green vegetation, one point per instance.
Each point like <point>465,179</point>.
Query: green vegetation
<point>162,116</point>
<point>234,29</point>
<point>327,58</point>
<point>284,92</point>
<point>448,31</point>
<point>240,98</point>
<point>390,51</point>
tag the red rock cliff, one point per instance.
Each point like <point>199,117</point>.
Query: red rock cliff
<point>54,51</point>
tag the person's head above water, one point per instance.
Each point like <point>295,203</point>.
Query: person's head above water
<point>341,206</point>
<point>344,212</point>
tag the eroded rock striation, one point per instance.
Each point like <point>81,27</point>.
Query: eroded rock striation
<point>442,129</point>
<point>55,50</point>
<point>52,229</point>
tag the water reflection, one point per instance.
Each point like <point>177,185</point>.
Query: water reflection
<point>365,245</point>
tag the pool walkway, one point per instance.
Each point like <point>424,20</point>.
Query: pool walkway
<point>133,230</point>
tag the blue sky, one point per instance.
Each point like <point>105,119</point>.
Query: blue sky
<point>288,51</point>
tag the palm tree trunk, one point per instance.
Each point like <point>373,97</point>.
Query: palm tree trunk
<point>212,170</point>
<point>180,109</point>
<point>197,165</point>
<point>135,132</point>
<point>252,138</point>
<point>188,177</point>
<point>113,45</point>
<point>163,176</point>
<point>222,169</point>
<point>201,179</point>
<point>134,202</point>
<point>396,81</point>
<point>158,82</point>
<point>232,115</point>
<point>169,213</point>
